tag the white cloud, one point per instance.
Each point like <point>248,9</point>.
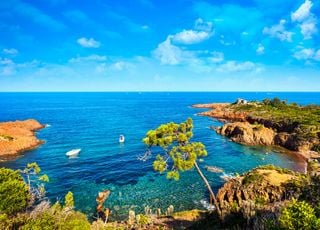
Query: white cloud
<point>121,65</point>
<point>6,61</point>
<point>233,66</point>
<point>279,31</point>
<point>202,25</point>
<point>202,31</point>
<point>308,28</point>
<point>317,55</point>
<point>7,67</point>
<point>307,54</point>
<point>302,13</point>
<point>260,49</point>
<point>216,57</point>
<point>168,53</point>
<point>304,54</point>
<point>91,58</point>
<point>11,51</point>
<point>88,42</point>
<point>191,36</point>
<point>306,20</point>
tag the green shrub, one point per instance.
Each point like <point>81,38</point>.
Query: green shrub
<point>299,215</point>
<point>253,177</point>
<point>14,194</point>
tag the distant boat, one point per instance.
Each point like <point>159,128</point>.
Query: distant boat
<point>121,139</point>
<point>73,152</point>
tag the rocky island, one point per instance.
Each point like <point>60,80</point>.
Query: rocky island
<point>18,136</point>
<point>269,123</point>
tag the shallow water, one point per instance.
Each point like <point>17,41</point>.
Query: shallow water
<point>94,121</point>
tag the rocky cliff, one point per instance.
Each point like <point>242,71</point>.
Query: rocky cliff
<point>263,186</point>
<point>18,136</point>
<point>246,133</point>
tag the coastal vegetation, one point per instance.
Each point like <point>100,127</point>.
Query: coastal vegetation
<point>270,198</point>
<point>23,204</point>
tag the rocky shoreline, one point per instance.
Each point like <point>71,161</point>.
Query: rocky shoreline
<point>17,137</point>
<point>244,128</point>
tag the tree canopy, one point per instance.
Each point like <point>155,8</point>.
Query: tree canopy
<point>179,153</point>
<point>14,193</point>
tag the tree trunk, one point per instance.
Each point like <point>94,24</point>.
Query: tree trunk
<point>212,196</point>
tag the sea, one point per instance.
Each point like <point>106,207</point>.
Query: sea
<point>93,122</point>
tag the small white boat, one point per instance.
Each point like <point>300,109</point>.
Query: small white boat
<point>73,152</point>
<point>121,139</point>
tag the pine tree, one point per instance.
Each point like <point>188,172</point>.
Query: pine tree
<point>179,153</point>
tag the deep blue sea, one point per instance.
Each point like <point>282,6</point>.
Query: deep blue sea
<point>94,121</point>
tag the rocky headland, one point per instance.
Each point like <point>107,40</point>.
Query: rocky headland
<point>18,136</point>
<point>269,123</point>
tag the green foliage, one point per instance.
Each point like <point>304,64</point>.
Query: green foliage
<point>160,164</point>
<point>143,219</point>
<point>14,195</point>
<point>45,221</point>
<point>44,178</point>
<point>179,153</point>
<point>173,175</point>
<point>260,201</point>
<point>299,215</point>
<point>252,177</point>
<point>35,180</point>
<point>57,218</point>
<point>68,200</point>
<point>33,167</point>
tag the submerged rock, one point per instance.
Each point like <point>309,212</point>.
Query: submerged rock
<point>214,169</point>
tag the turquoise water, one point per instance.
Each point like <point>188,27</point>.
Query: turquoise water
<point>94,121</point>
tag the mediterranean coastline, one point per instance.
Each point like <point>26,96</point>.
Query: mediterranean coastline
<point>244,125</point>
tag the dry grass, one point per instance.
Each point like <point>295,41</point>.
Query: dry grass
<point>274,177</point>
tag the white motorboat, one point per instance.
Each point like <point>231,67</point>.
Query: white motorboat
<point>121,139</point>
<point>73,152</point>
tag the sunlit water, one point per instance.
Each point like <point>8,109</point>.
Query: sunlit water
<point>94,121</point>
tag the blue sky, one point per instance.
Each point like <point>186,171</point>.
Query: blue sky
<point>160,45</point>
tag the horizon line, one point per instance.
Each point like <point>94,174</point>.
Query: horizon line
<point>136,91</point>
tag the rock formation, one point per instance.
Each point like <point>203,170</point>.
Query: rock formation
<point>18,136</point>
<point>248,134</point>
<point>260,187</point>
